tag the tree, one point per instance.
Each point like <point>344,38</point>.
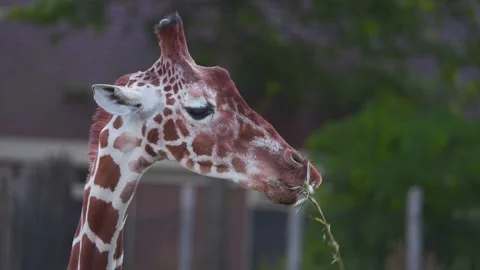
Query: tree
<point>372,159</point>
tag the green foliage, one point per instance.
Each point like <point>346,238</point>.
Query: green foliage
<point>372,158</point>
<point>78,14</point>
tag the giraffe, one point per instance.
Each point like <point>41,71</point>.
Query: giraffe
<point>180,111</point>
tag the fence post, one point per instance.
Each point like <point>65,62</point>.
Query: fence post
<point>42,202</point>
<point>414,247</point>
<point>294,238</point>
<point>6,176</point>
<point>187,202</point>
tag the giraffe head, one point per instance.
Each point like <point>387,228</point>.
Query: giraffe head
<point>195,115</point>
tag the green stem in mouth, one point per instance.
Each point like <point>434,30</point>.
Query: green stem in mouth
<point>307,191</point>
<point>337,258</point>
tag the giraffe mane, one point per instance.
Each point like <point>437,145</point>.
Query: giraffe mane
<point>100,120</point>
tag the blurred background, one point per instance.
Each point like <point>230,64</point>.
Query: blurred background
<point>382,94</point>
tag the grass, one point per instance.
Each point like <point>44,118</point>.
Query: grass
<point>307,192</point>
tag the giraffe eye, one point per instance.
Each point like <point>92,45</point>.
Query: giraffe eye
<point>199,113</point>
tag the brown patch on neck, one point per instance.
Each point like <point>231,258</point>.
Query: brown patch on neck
<point>128,191</point>
<point>118,122</point>
<point>86,195</point>
<point>162,154</point>
<point>91,257</point>
<point>119,246</point>
<point>167,112</point>
<point>74,257</point>
<point>126,142</point>
<point>107,174</point>
<point>104,138</point>
<point>102,219</point>
<point>153,136</point>
<point>150,151</point>
<point>158,118</point>
<point>139,165</point>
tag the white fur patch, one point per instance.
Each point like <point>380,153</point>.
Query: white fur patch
<point>268,143</point>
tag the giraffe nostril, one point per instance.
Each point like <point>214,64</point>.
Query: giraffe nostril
<point>297,158</point>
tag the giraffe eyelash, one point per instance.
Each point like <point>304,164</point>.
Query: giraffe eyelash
<point>199,113</point>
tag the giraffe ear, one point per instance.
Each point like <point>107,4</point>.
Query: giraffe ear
<point>117,100</point>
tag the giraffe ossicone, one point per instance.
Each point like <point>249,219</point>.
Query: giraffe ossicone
<point>180,111</point>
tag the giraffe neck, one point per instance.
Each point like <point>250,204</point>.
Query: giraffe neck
<point>109,190</point>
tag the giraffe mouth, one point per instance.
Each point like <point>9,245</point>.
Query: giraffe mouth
<point>293,194</point>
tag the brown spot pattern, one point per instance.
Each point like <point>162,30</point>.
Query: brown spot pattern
<point>181,126</point>
<point>221,151</point>
<point>108,173</point>
<point>74,255</point>
<point>248,133</point>
<point>126,142</point>
<point>91,256</point>
<point>92,169</point>
<point>102,219</point>
<point>169,131</point>
<point>158,118</point>
<point>222,169</point>
<point>239,165</point>
<point>203,145</point>
<point>170,101</point>
<point>162,154</point>
<point>139,165</point>
<point>190,164</point>
<point>178,151</point>
<point>205,167</point>
<point>150,151</point>
<point>86,195</point>
<point>144,129</point>
<point>167,112</point>
<point>153,135</point>
<point>104,138</point>
<point>119,246</point>
<point>118,122</point>
<point>128,191</point>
